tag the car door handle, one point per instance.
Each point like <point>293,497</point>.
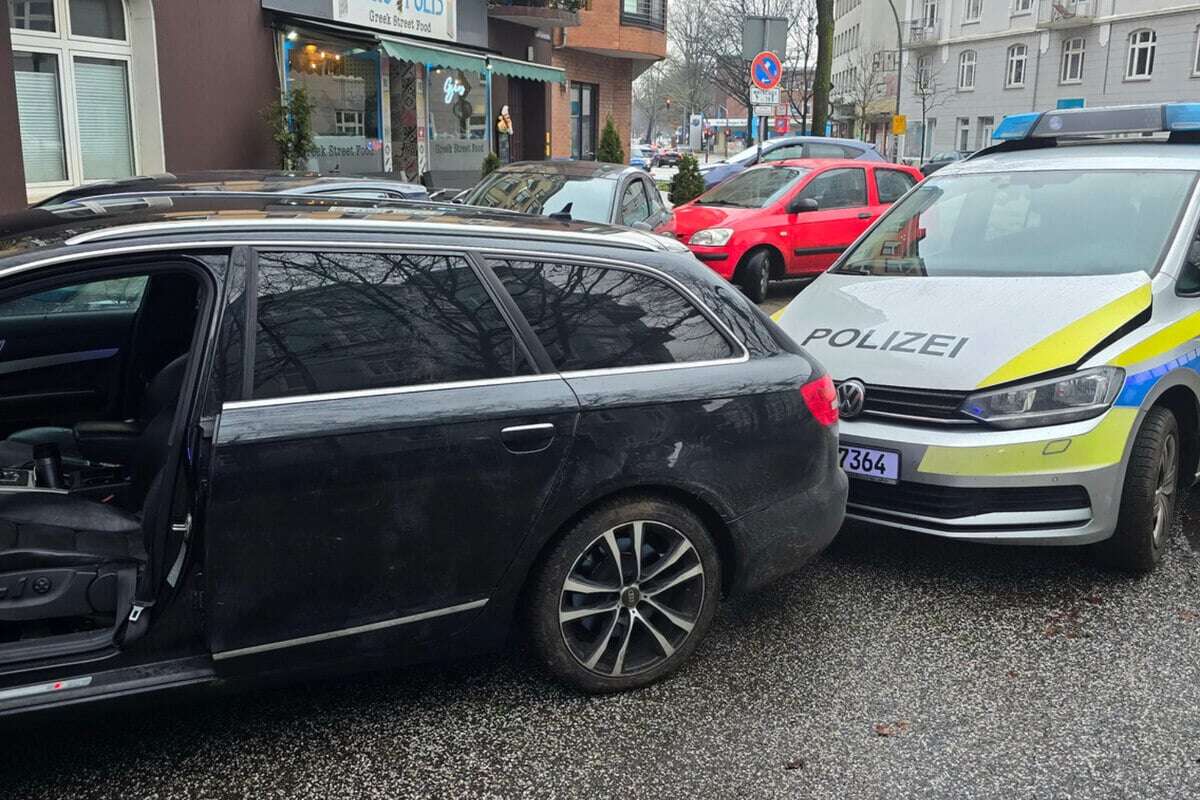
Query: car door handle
<point>528,438</point>
<point>864,215</point>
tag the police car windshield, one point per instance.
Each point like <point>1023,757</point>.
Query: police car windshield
<point>1052,222</point>
<point>754,188</point>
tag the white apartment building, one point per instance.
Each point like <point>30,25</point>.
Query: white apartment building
<point>864,44</point>
<point>976,61</point>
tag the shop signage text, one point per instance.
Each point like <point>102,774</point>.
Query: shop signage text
<point>432,19</point>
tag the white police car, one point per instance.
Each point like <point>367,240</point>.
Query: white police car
<point>1017,340</point>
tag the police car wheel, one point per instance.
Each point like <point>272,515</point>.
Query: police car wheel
<point>1148,500</point>
<point>754,276</point>
<point>624,597</point>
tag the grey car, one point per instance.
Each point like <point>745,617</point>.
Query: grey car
<point>787,147</point>
<point>586,191</point>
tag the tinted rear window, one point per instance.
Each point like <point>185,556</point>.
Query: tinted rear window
<point>330,322</point>
<point>602,318</point>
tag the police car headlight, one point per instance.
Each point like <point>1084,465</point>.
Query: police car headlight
<point>711,237</point>
<point>1048,402</point>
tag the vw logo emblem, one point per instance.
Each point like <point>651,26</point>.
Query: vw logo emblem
<point>851,395</point>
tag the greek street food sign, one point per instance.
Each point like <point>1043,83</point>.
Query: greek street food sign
<point>431,19</point>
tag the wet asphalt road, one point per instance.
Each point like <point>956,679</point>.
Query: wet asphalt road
<point>894,666</point>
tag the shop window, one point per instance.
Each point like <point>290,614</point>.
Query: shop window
<point>349,123</point>
<point>584,111</point>
<point>343,86</point>
<point>71,63</point>
<point>458,125</point>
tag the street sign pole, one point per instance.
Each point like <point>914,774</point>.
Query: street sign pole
<point>762,35</point>
<point>766,70</point>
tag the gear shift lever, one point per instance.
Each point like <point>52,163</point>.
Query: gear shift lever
<point>47,465</point>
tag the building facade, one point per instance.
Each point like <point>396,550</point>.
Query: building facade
<point>424,89</point>
<point>980,60</point>
<point>863,72</point>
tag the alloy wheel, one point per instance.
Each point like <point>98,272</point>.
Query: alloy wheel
<point>632,598</point>
<point>1164,489</point>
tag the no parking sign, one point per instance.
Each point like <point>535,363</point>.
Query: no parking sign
<point>765,70</point>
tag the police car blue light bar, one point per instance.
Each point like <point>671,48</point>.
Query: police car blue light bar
<point>1069,122</point>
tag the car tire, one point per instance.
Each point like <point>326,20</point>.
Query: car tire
<point>595,637</point>
<point>754,276</point>
<point>1148,498</point>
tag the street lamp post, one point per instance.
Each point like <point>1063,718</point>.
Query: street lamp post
<point>899,73</point>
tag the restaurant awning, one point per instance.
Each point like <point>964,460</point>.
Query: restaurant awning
<point>527,70</point>
<point>452,58</point>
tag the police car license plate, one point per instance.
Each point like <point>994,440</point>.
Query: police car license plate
<point>867,462</point>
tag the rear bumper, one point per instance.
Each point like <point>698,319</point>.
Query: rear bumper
<point>1047,486</point>
<point>779,539</point>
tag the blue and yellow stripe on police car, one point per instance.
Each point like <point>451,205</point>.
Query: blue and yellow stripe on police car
<point>1104,445</point>
<point>1068,345</point>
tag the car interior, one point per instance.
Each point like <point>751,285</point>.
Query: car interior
<point>91,374</point>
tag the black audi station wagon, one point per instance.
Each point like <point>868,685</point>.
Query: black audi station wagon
<point>247,434</point>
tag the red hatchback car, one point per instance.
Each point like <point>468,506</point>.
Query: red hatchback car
<point>786,218</point>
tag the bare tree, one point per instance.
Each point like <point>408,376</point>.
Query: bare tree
<point>865,85</point>
<point>650,93</point>
<point>928,89</point>
<point>798,70</point>
<point>691,29</point>
<point>823,76</point>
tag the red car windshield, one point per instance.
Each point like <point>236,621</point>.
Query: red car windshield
<point>754,188</point>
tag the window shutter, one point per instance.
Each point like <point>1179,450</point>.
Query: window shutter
<point>41,126</point>
<point>105,139</point>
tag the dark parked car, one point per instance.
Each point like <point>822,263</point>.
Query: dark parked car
<point>586,191</point>
<point>257,181</point>
<point>668,157</point>
<point>940,160</point>
<point>253,436</point>
<point>785,148</point>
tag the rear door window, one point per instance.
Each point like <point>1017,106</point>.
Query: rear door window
<point>891,184</point>
<point>827,150</point>
<point>337,321</point>
<point>838,188</point>
<point>635,207</point>
<point>603,318</point>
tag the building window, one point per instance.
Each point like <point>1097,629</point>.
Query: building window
<point>962,141</point>
<point>584,111</point>
<point>1022,6</point>
<point>986,126</point>
<point>71,70</point>
<point>973,10</point>
<point>930,14</point>
<point>966,70</point>
<point>1141,54</point>
<point>1196,55</point>
<point>349,123</point>
<point>1072,60</point>
<point>1014,75</point>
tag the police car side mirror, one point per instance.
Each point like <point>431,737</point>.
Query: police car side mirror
<point>802,204</point>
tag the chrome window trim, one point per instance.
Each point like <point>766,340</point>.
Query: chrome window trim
<point>371,245</point>
<point>352,631</point>
<point>384,391</point>
<point>630,239</point>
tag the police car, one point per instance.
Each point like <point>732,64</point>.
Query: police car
<point>1016,342</point>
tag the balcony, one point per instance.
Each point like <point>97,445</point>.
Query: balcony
<point>626,29</point>
<point>537,13</point>
<point>919,33</point>
<point>645,13</point>
<point>1064,14</point>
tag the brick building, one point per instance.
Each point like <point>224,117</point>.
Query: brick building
<point>103,89</point>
